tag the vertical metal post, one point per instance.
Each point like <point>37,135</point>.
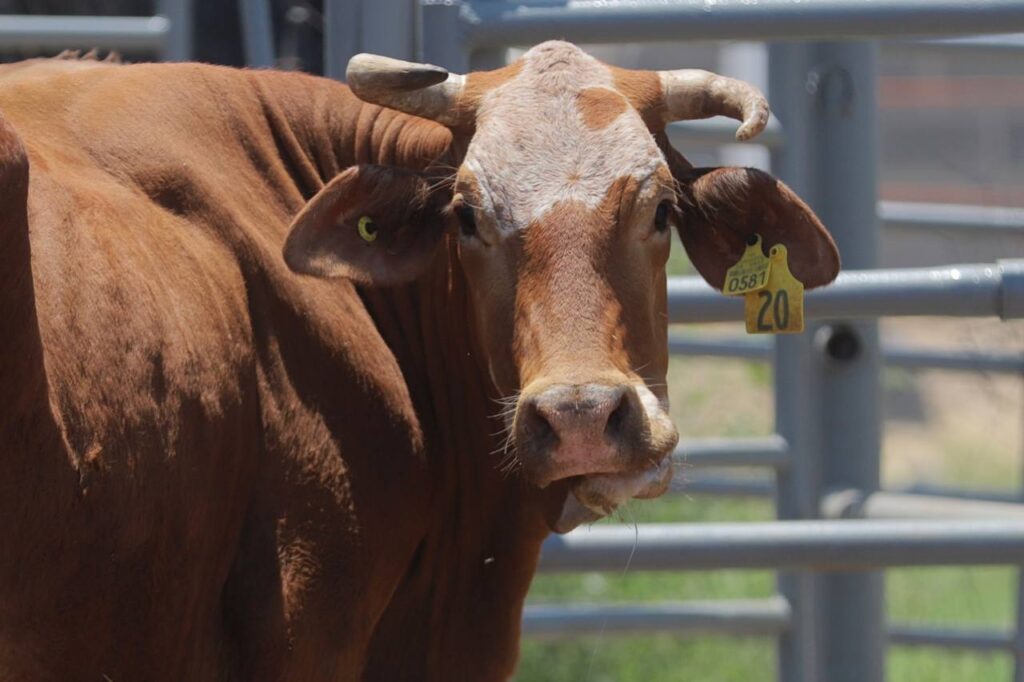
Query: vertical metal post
<point>797,387</point>
<point>827,385</point>
<point>1018,636</point>
<point>487,58</point>
<point>441,40</point>
<point>257,32</point>
<point>342,21</point>
<point>389,28</point>
<point>178,13</point>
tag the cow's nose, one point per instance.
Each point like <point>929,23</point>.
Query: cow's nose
<point>580,413</point>
<point>568,430</point>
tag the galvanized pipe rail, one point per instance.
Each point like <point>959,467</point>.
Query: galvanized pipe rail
<point>1004,42</point>
<point>168,34</point>
<point>699,482</point>
<point>832,546</point>
<point>995,290</point>
<point>894,355</point>
<point>913,215</point>
<point>494,24</point>
<point>762,451</point>
<point>856,504</point>
<point>769,617</point>
<point>58,32</point>
<point>954,638</point>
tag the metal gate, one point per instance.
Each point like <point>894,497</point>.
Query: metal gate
<point>828,615</point>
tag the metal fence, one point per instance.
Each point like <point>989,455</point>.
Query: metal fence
<point>831,541</point>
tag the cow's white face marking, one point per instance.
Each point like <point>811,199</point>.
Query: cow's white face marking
<point>534,147</point>
<point>566,268</point>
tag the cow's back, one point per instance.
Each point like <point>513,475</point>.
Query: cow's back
<point>177,460</point>
<point>139,445</point>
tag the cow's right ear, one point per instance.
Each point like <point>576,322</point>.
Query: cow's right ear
<point>376,225</point>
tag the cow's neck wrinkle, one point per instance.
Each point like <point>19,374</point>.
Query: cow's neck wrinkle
<point>321,128</point>
<point>472,569</point>
<point>474,564</point>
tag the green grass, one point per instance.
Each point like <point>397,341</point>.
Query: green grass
<point>658,658</point>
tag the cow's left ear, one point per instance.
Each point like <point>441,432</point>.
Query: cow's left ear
<point>376,225</point>
<point>720,208</point>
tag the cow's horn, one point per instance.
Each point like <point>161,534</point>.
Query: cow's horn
<point>693,93</point>
<point>419,89</point>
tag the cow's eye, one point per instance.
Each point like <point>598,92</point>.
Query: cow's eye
<point>467,219</point>
<point>661,216</point>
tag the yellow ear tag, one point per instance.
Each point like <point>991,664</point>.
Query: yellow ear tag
<point>778,308</point>
<point>750,272</point>
<point>367,229</point>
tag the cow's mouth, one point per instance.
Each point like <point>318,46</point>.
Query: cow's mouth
<point>595,496</point>
<point>603,442</point>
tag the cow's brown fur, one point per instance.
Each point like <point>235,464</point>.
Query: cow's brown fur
<point>600,106</point>
<point>212,468</point>
<point>644,92</point>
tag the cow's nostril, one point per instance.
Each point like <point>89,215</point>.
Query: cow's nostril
<point>617,419</point>
<point>578,429</point>
<point>536,427</point>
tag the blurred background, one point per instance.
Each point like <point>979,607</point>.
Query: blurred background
<point>951,125</point>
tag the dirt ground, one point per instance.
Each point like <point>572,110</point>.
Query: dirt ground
<point>962,428</point>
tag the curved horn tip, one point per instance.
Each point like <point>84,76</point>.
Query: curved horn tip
<point>754,122</point>
<point>394,73</point>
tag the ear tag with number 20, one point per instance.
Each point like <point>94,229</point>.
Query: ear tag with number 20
<point>750,272</point>
<point>778,308</point>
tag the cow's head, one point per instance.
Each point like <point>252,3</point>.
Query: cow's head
<point>563,200</point>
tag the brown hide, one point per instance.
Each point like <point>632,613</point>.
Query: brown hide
<point>212,468</point>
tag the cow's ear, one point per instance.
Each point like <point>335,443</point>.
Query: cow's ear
<point>376,225</point>
<point>720,208</point>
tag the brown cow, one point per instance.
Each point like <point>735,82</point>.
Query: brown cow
<point>213,468</point>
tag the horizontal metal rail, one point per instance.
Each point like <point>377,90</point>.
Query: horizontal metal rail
<point>952,291</point>
<point>757,348</point>
<point>718,131</point>
<point>959,217</point>
<point>855,504</point>
<point>763,451</point>
<point>974,640</point>
<point>703,484</point>
<point>981,495</point>
<point>699,481</point>
<point>1005,42</point>
<point>768,617</point>
<point>497,24</point>
<point>61,32</point>
<point>970,361</point>
<point>765,617</point>
<point>782,545</point>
